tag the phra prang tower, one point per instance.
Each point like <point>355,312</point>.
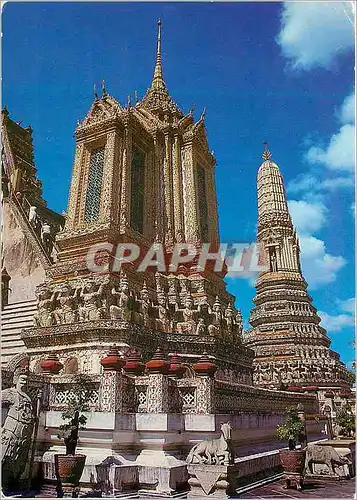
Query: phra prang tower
<point>291,347</point>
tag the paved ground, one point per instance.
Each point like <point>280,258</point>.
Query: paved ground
<point>316,489</point>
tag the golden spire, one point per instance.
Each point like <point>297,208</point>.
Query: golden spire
<point>158,81</point>
<point>266,154</point>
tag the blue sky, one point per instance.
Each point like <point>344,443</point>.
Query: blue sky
<point>264,71</point>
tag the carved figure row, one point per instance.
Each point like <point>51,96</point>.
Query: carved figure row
<point>296,372</point>
<point>91,302</point>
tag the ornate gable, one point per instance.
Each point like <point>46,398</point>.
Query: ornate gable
<point>200,136</point>
<point>160,101</point>
<point>100,111</point>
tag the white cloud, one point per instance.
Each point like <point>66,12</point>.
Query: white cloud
<point>348,305</point>
<point>308,182</point>
<point>307,217</point>
<point>318,266</point>
<point>335,323</point>
<point>339,154</point>
<point>302,183</point>
<point>313,34</point>
<point>337,183</point>
<point>347,111</point>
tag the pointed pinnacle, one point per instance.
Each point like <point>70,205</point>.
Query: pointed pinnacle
<point>158,81</point>
<point>104,90</point>
<point>95,92</point>
<point>266,154</point>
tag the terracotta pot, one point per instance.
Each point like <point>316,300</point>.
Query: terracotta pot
<point>51,364</point>
<point>133,364</point>
<point>311,388</point>
<point>204,366</point>
<point>176,369</point>
<point>158,363</point>
<point>69,468</point>
<point>293,461</point>
<point>294,388</point>
<point>113,361</point>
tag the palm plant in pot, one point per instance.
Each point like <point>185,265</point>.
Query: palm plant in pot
<point>69,466</point>
<point>292,431</point>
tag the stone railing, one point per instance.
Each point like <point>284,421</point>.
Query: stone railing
<point>157,393</point>
<point>61,393</point>
<point>232,398</point>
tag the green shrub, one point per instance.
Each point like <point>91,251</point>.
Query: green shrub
<point>347,420</point>
<point>293,429</point>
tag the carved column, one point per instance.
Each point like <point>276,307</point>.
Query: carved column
<point>168,187</point>
<point>205,395</point>
<point>284,264</point>
<point>158,393</point>
<point>74,192</point>
<point>189,196</point>
<point>116,392</point>
<point>159,188</point>
<point>106,205</point>
<point>280,252</point>
<point>125,182</point>
<point>150,203</point>
<point>212,206</point>
<point>83,181</point>
<point>177,186</point>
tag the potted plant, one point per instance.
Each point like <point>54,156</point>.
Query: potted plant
<point>292,431</point>
<point>69,466</point>
<point>346,420</point>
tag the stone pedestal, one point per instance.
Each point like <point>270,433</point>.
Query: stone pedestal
<point>293,479</point>
<point>160,474</point>
<point>114,476</point>
<point>213,481</point>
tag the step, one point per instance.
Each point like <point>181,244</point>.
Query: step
<point>11,351</point>
<point>11,345</point>
<point>20,305</point>
<point>8,337</point>
<point>7,333</point>
<point>17,331</point>
<point>19,319</point>
<point>17,324</point>
<point>11,331</point>
<point>18,310</point>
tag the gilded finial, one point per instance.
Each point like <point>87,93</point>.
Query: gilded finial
<point>95,92</point>
<point>158,81</point>
<point>104,90</point>
<point>266,154</point>
<point>192,110</point>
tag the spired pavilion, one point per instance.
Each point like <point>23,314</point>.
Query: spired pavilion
<point>165,352</point>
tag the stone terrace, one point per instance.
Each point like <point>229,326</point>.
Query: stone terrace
<point>312,489</point>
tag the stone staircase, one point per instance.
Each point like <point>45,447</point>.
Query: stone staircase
<point>15,317</point>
